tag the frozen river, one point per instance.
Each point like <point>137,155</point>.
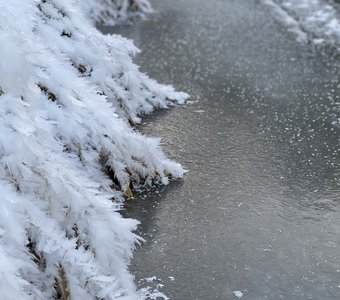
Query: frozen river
<point>259,209</point>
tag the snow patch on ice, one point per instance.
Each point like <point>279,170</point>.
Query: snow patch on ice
<point>151,279</point>
<point>238,294</point>
<point>149,293</point>
<point>152,292</point>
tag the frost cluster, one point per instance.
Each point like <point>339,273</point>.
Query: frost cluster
<point>68,153</point>
<point>109,12</point>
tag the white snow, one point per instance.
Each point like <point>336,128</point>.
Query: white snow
<point>152,294</point>
<point>151,279</point>
<point>238,294</point>
<point>318,20</point>
<point>66,95</point>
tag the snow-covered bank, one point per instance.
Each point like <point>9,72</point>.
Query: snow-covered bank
<point>317,21</point>
<point>66,95</point>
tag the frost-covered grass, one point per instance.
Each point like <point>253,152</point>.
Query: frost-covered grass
<point>316,20</point>
<point>109,12</point>
<point>67,94</point>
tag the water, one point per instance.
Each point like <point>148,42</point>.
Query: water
<point>258,211</point>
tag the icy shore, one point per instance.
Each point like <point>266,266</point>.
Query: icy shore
<point>68,153</point>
